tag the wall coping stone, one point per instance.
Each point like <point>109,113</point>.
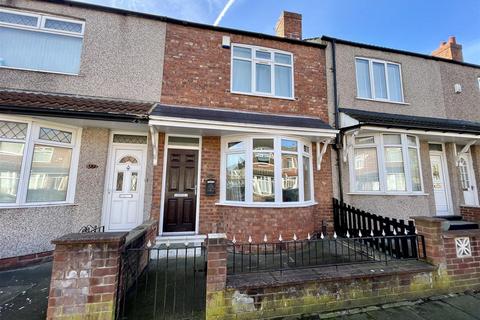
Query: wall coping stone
<point>461,233</point>
<point>94,237</point>
<point>217,236</point>
<point>469,206</point>
<point>138,231</point>
<point>326,274</point>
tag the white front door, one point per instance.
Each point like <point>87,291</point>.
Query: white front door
<point>124,207</point>
<point>467,180</point>
<point>440,183</point>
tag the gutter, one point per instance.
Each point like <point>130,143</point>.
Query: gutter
<point>338,142</point>
<point>105,116</point>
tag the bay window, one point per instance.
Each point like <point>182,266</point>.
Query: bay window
<point>386,163</point>
<point>36,163</point>
<point>266,170</point>
<point>378,80</point>
<point>261,71</point>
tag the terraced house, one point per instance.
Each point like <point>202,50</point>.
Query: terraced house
<point>409,128</point>
<point>113,118</point>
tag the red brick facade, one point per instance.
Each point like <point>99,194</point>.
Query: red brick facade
<point>26,260</point>
<point>471,214</point>
<point>197,73</point>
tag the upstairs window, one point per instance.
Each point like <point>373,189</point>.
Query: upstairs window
<point>379,80</point>
<point>41,43</point>
<point>261,71</point>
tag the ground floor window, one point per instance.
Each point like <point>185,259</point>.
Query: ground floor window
<point>386,163</point>
<point>266,170</point>
<point>35,162</point>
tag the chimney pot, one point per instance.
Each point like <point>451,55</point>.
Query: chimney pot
<point>449,50</point>
<point>289,25</point>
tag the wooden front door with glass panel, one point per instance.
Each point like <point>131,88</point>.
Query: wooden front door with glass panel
<point>467,180</point>
<point>181,191</point>
<point>125,207</point>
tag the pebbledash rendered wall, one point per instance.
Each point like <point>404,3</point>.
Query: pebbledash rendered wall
<point>197,73</point>
<point>427,87</point>
<point>122,57</point>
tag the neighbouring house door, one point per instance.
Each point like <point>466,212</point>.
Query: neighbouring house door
<point>467,180</point>
<point>181,191</point>
<point>440,185</point>
<point>126,187</point>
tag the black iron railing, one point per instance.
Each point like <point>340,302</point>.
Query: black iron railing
<point>325,251</point>
<point>348,219</point>
<point>170,286</point>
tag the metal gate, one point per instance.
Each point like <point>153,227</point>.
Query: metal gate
<point>164,282</point>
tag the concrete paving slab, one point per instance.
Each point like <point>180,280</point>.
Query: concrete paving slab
<point>436,310</point>
<point>465,303</point>
<point>399,313</point>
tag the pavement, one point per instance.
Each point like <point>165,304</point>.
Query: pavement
<point>448,307</point>
<point>24,292</point>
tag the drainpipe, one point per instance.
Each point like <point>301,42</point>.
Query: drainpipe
<point>338,143</point>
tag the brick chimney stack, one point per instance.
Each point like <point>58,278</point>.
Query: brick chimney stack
<point>289,25</point>
<point>449,50</point>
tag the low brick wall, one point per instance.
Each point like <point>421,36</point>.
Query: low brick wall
<point>25,260</point>
<point>86,272</point>
<point>312,291</point>
<point>470,213</point>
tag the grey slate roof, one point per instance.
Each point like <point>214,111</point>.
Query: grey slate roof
<point>233,116</point>
<point>412,122</point>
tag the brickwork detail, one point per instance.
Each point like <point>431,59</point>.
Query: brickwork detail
<point>26,260</point>
<point>471,214</point>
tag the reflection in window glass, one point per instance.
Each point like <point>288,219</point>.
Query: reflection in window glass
<point>235,180</point>
<point>11,154</point>
<point>392,139</point>
<point>119,186</point>
<point>237,145</point>
<point>262,144</point>
<point>289,145</point>
<point>134,181</point>
<point>263,77</point>
<point>363,78</point>
<point>395,173</point>
<point>183,141</point>
<point>379,81</point>
<point>415,169</point>
<point>306,179</point>
<point>263,177</point>
<point>49,174</point>
<point>364,140</point>
<point>289,177</point>
<point>366,170</point>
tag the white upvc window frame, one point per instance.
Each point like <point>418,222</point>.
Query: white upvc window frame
<point>271,62</point>
<point>248,152</point>
<point>40,27</point>
<point>372,80</point>
<point>31,139</point>
<point>379,145</point>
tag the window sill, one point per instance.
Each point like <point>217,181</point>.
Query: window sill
<point>408,194</point>
<point>41,71</point>
<point>383,101</point>
<point>261,95</point>
<point>267,205</point>
<point>37,205</point>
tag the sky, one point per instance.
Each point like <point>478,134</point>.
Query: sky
<point>412,25</point>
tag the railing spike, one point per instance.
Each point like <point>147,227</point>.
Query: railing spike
<point>321,235</point>
<point>308,236</point>
<point>149,244</point>
<point>371,233</point>
<point>280,238</point>
<point>234,240</point>
<point>249,239</point>
<point>168,243</point>
<point>348,234</point>
<point>265,238</point>
<point>360,233</point>
<point>335,235</point>
<point>294,237</point>
<point>405,231</point>
<point>394,232</point>
<point>383,233</point>
<point>186,243</point>
<point>415,231</point>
